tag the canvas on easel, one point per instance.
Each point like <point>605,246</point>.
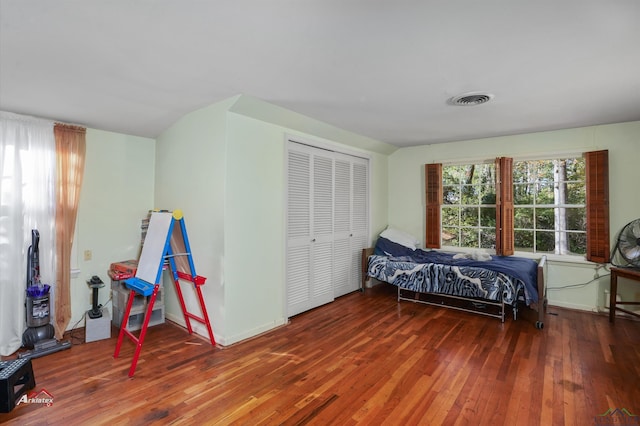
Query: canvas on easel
<point>166,242</point>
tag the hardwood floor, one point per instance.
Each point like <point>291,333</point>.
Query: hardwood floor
<point>363,359</point>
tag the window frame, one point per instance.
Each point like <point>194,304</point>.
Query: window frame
<point>597,200</point>
<point>477,206</point>
<point>535,205</point>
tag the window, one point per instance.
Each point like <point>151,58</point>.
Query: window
<point>549,206</point>
<point>540,206</point>
<point>468,207</point>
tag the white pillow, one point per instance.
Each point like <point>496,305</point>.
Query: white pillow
<point>400,237</point>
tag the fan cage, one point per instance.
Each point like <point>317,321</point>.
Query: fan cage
<point>628,245</point>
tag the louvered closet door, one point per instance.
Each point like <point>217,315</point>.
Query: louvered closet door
<point>298,231</point>
<point>359,218</point>
<point>309,229</point>
<point>342,228</point>
<point>322,231</point>
<point>350,221</point>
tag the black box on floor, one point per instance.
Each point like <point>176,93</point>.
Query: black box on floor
<point>16,378</point>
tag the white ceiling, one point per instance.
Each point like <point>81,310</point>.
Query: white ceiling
<point>383,69</point>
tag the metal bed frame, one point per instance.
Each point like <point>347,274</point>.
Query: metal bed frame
<point>418,297</point>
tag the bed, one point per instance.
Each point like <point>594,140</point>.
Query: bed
<point>483,284</point>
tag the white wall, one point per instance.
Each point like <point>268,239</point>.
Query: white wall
<point>117,192</point>
<point>406,189</point>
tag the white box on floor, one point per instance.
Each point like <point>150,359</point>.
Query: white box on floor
<point>98,328</point>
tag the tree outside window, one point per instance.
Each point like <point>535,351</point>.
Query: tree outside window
<point>549,206</point>
<point>468,206</point>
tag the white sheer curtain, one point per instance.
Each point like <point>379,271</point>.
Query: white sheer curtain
<point>27,201</point>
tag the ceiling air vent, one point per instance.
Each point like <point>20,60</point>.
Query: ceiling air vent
<point>471,98</point>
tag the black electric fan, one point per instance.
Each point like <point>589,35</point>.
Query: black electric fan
<point>626,253</point>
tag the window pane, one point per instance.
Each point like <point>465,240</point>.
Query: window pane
<point>488,194</point>
<point>488,217</point>
<point>523,193</point>
<point>450,237</point>
<point>451,194</point>
<point>450,216</point>
<point>469,216</point>
<point>521,172</point>
<point>488,239</point>
<point>575,169</point>
<point>545,219</point>
<point>545,242</point>
<point>544,170</point>
<point>576,219</point>
<point>523,240</point>
<point>484,174</point>
<point>469,237</point>
<point>470,194</point>
<point>523,218</point>
<point>452,174</point>
<point>544,194</point>
<point>576,193</point>
<point>577,243</point>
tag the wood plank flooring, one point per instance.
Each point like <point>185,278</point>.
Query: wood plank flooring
<point>363,359</point>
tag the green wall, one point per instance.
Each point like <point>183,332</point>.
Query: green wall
<point>406,190</point>
<point>190,169</point>
<point>224,167</point>
<point>117,192</point>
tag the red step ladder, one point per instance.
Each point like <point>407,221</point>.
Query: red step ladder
<point>164,243</point>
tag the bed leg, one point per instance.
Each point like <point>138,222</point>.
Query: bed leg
<point>542,292</point>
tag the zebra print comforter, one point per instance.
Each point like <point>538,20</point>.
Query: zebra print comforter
<point>464,281</point>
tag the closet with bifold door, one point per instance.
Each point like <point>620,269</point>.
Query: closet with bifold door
<point>327,224</point>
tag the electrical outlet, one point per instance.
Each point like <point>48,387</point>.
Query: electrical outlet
<point>88,255</point>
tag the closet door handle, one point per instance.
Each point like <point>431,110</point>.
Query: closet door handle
<point>313,241</point>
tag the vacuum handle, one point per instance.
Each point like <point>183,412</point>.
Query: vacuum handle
<point>33,261</point>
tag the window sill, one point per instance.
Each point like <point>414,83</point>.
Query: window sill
<point>554,258</point>
<point>557,258</point>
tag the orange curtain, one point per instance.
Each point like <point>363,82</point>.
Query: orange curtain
<point>70,153</point>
